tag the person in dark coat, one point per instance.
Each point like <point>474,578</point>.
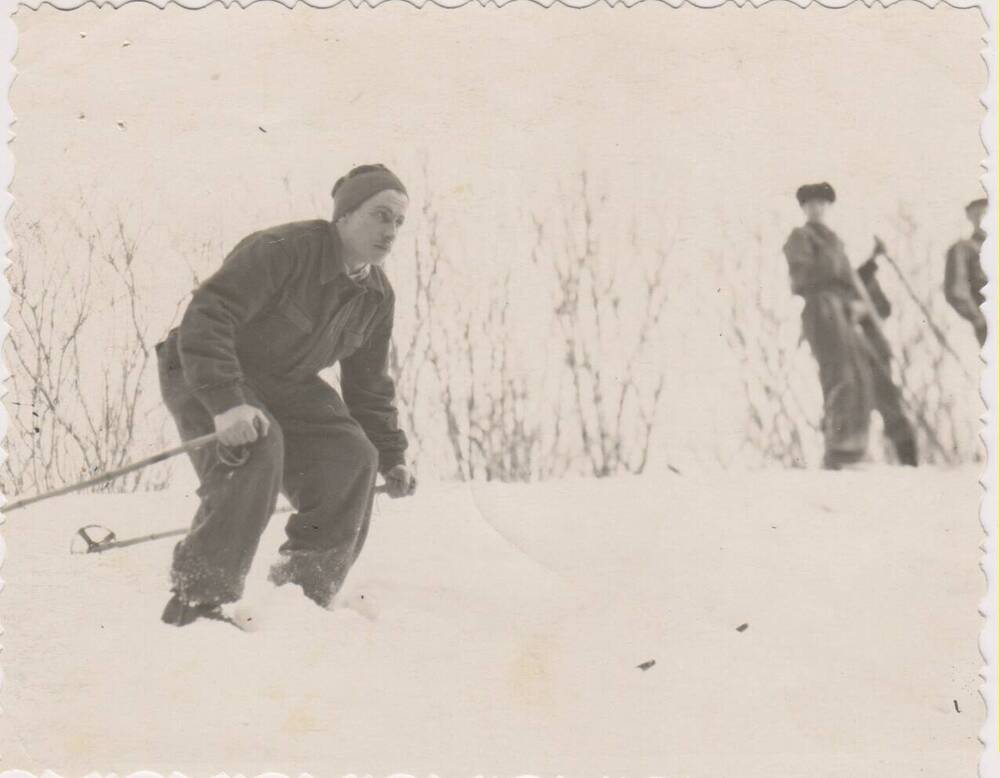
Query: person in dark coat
<point>288,302</point>
<point>888,396</point>
<point>854,372</point>
<point>964,278</point>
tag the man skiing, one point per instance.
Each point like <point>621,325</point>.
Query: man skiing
<point>853,356</point>
<point>244,362</point>
<point>964,278</point>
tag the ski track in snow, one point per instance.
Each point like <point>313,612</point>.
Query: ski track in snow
<point>500,628</point>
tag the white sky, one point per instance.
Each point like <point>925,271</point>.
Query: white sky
<point>713,113</point>
<point>698,124</point>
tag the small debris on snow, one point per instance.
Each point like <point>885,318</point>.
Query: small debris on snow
<point>646,665</point>
<point>742,627</point>
<point>673,469</point>
<point>957,710</point>
<point>434,602</point>
<point>121,124</point>
<point>261,129</point>
<point>126,44</point>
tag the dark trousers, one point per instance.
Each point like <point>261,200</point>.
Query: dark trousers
<point>845,374</point>
<point>314,452</point>
<point>889,398</point>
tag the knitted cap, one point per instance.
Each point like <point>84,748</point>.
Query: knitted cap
<point>360,184</point>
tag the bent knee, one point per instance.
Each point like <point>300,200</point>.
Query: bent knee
<point>268,451</point>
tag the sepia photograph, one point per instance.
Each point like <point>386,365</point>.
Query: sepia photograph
<point>494,391</point>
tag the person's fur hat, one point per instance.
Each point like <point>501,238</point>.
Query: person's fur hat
<point>808,192</point>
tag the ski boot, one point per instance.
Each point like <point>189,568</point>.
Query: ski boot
<point>179,613</point>
<point>306,570</point>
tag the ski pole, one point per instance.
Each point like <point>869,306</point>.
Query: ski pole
<point>880,249</point>
<point>111,540</point>
<point>190,445</point>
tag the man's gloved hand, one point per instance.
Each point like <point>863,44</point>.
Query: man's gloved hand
<point>400,482</point>
<point>858,310</point>
<point>868,268</point>
<point>241,425</point>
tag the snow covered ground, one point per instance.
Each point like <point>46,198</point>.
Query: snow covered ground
<point>499,629</point>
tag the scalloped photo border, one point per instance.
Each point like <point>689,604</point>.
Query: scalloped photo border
<point>989,607</point>
<point>988,9</point>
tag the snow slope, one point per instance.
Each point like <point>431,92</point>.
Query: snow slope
<point>498,629</point>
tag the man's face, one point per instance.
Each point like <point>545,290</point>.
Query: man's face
<point>370,230</point>
<point>976,214</point>
<point>815,210</point>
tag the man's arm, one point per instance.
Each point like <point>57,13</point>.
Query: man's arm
<point>801,256</point>
<point>252,275</point>
<point>866,273</point>
<point>370,392</point>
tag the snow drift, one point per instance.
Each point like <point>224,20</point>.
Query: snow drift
<point>759,624</point>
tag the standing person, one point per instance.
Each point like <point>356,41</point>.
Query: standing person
<point>964,278</point>
<point>888,397</point>
<point>286,303</point>
<point>831,322</point>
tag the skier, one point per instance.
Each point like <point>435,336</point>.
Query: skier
<point>853,357</point>
<point>964,278</point>
<point>286,303</point>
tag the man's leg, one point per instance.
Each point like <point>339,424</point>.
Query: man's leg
<point>845,378</point>
<point>845,434</point>
<point>211,563</point>
<point>329,477</point>
<point>888,402</point>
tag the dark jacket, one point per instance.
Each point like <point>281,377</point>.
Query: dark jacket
<point>964,277</point>
<point>817,262</point>
<point>283,307</point>
<point>821,272</point>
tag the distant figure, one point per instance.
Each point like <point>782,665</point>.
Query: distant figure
<point>964,278</point>
<point>888,397</point>
<point>853,356</point>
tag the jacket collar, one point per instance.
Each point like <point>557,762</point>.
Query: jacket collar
<point>821,232</point>
<point>333,266</point>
